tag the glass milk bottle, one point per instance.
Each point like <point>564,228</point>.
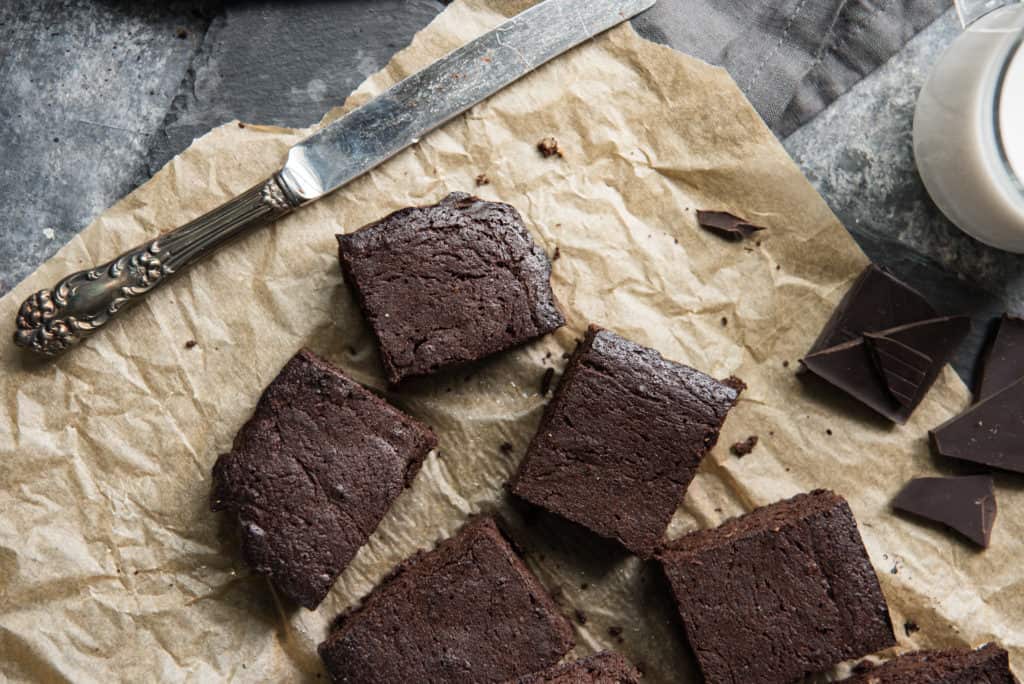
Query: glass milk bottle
<point>969,125</point>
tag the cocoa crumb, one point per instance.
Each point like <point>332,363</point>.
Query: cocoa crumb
<point>482,179</point>
<point>910,627</point>
<point>190,344</point>
<point>505,448</point>
<point>584,586</point>
<point>549,147</point>
<point>725,321</point>
<point>241,125</point>
<point>785,364</point>
<point>581,617</point>
<point>545,381</point>
<point>615,631</point>
<point>828,432</point>
<point>557,255</point>
<point>741,449</point>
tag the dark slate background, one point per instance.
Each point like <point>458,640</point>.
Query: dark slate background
<point>97,95</point>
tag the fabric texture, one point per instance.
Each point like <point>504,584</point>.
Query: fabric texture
<point>792,58</point>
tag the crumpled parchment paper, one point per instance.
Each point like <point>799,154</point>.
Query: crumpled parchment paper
<point>112,568</point>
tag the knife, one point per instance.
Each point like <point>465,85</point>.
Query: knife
<point>50,321</point>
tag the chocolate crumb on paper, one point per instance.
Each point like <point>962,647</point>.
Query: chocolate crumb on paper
<point>482,179</point>
<point>549,147</point>
<point>190,344</point>
<point>741,449</point>
<point>910,627</point>
<point>581,617</point>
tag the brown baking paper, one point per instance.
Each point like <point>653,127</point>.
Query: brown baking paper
<point>112,567</point>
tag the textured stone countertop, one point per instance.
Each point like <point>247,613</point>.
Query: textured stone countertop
<point>131,84</point>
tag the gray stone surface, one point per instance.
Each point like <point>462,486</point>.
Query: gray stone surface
<point>859,155</point>
<point>98,95</point>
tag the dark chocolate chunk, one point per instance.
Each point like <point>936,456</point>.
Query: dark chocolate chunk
<point>1004,359</point>
<point>743,448</point>
<point>902,368</point>
<point>449,283</point>
<point>601,668</point>
<point>312,473</point>
<point>879,368</point>
<point>780,593</point>
<point>990,432</point>
<point>725,225</point>
<point>876,301</point>
<point>468,611</point>
<point>987,665</point>
<point>621,440</point>
<point>966,504</point>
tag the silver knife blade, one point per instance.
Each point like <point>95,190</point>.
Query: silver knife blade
<point>399,117</point>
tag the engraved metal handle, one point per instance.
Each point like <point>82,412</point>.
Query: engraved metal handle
<point>51,321</point>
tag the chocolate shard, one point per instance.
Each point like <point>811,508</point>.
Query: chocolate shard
<point>991,432</point>
<point>849,367</point>
<point>726,225</point>
<point>965,504</point>
<point>876,301</point>
<point>1004,360</point>
<point>902,368</point>
<point>910,357</point>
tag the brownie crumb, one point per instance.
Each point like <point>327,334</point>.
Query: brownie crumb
<point>910,627</point>
<point>828,431</point>
<point>743,448</point>
<point>181,33</point>
<point>735,383</point>
<point>482,179</point>
<point>549,147</point>
<point>241,125</point>
<point>545,381</point>
<point>615,631</point>
<point>585,586</point>
<point>725,321</point>
<point>557,255</point>
<point>785,364</point>
<point>581,617</point>
<point>190,344</point>
<point>895,570</point>
<point>506,448</point>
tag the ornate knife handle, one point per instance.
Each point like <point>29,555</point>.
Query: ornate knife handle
<point>50,321</point>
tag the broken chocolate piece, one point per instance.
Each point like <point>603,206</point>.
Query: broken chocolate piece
<point>890,370</point>
<point>910,357</point>
<point>1004,360</point>
<point>876,301</point>
<point>990,432</point>
<point>743,448</point>
<point>965,504</point>
<point>725,225</point>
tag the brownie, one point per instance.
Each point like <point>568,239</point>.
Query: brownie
<point>449,283</point>
<point>987,665</point>
<point>621,440</point>
<point>601,668</point>
<point>312,473</point>
<point>782,592</point>
<point>468,611</point>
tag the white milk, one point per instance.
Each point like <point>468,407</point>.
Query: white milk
<point>969,130</point>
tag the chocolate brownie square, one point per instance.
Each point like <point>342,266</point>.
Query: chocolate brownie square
<point>782,592</point>
<point>468,611</point>
<point>987,665</point>
<point>601,668</point>
<point>312,473</point>
<point>621,440</point>
<point>449,283</point>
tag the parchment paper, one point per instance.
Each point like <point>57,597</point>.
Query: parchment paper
<point>111,566</point>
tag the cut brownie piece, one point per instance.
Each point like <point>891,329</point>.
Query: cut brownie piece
<point>987,665</point>
<point>449,283</point>
<point>312,473</point>
<point>622,439</point>
<point>468,611</point>
<point>779,593</point>
<point>601,668</point>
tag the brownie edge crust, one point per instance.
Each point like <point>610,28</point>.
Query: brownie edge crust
<point>449,283</point>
